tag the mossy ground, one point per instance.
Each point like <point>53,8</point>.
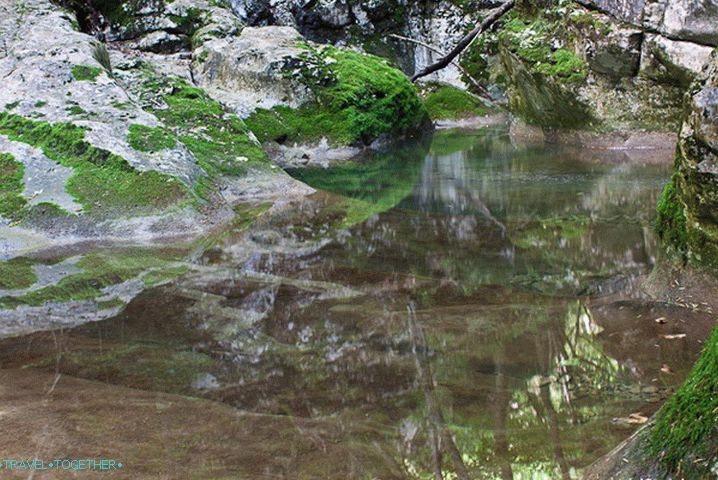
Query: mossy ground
<point>685,437</point>
<point>445,102</point>
<point>359,98</point>
<point>11,187</point>
<point>149,139</point>
<point>102,181</point>
<point>220,141</point>
<point>17,273</point>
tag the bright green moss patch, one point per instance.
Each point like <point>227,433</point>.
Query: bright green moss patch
<point>85,72</point>
<point>219,140</point>
<point>102,181</point>
<point>671,220</point>
<point>530,40</point>
<point>17,274</point>
<point>359,98</point>
<point>11,186</point>
<point>445,102</point>
<point>150,139</point>
<point>685,437</point>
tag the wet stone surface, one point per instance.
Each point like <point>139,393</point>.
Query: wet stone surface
<point>473,310</point>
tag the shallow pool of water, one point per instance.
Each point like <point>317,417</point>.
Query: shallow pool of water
<point>468,309</point>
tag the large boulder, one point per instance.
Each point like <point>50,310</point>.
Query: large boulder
<point>688,210</point>
<point>253,70</point>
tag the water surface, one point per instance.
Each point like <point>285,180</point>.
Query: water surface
<point>466,310</point>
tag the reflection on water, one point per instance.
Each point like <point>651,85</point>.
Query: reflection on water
<point>470,312</point>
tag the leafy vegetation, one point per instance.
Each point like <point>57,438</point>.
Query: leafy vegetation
<point>359,98</point>
<point>100,270</point>
<point>150,139</point>
<point>529,40</point>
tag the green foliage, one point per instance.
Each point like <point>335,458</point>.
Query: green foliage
<point>150,139</point>
<point>685,430</point>
<point>11,186</point>
<point>17,273</point>
<point>85,72</point>
<point>671,220</point>
<point>102,181</point>
<point>448,102</point>
<point>359,98</point>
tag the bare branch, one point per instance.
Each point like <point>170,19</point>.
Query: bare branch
<point>466,41</point>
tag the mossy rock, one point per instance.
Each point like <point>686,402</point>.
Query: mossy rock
<point>103,182</point>
<point>685,438</point>
<point>359,98</point>
<point>446,102</point>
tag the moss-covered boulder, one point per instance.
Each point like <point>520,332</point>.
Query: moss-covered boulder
<point>297,92</point>
<point>688,210</point>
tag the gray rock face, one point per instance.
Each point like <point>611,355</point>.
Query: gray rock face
<point>626,10</point>
<point>688,20</point>
<point>617,54</point>
<point>367,23</point>
<point>253,69</point>
<point>42,50</point>
<point>696,173</point>
<point>674,61</point>
<point>694,20</point>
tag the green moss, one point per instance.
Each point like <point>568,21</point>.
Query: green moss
<point>11,186</point>
<point>685,437</point>
<point>448,102</point>
<point>102,181</point>
<point>530,40</point>
<point>150,139</point>
<point>671,220</point>
<point>75,109</point>
<point>564,64</point>
<point>86,73</point>
<point>39,104</point>
<point>99,271</point>
<point>219,140</point>
<point>11,106</point>
<point>17,273</point>
<point>359,98</point>
<point>164,275</point>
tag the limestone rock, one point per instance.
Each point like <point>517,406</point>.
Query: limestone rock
<point>693,20</point>
<point>672,61</point>
<point>254,69</point>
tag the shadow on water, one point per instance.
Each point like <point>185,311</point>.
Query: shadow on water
<point>467,312</point>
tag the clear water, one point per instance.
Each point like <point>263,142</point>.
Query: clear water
<point>468,309</point>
